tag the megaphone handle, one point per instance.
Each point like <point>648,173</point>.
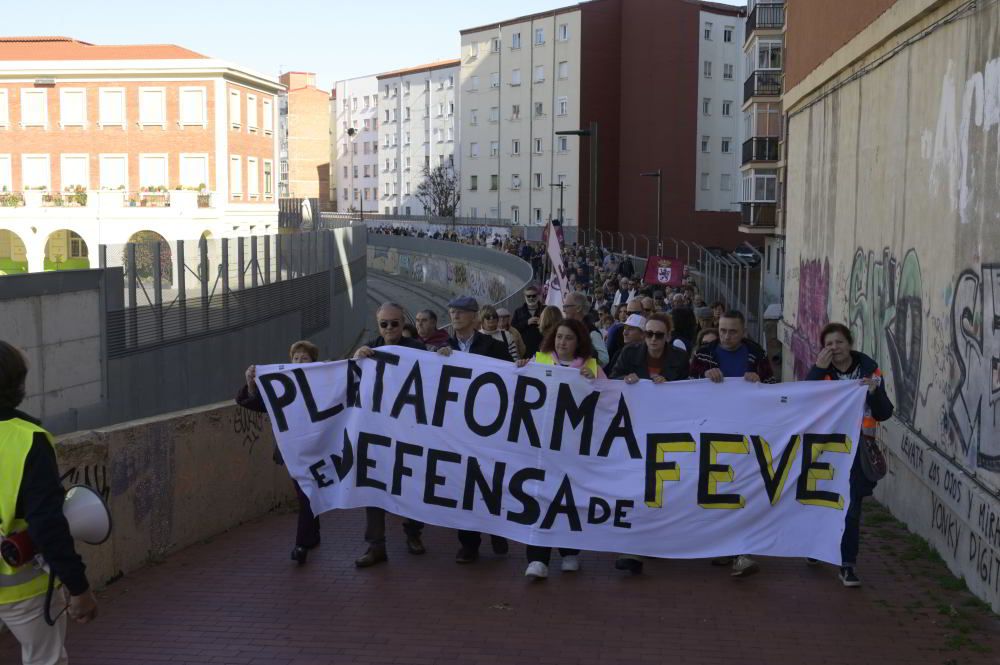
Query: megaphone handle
<point>48,600</point>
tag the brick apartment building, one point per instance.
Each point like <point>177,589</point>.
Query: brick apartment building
<point>304,126</point>
<point>100,142</point>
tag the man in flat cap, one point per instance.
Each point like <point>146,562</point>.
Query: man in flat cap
<point>464,311</point>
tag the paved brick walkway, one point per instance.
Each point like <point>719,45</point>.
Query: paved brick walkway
<point>238,599</point>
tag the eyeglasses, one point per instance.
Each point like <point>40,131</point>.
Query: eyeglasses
<point>651,334</point>
<point>489,317</point>
<point>388,324</point>
<point>530,296</point>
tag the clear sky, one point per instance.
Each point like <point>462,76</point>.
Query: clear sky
<point>334,38</point>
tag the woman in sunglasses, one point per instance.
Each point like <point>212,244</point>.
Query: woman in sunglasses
<point>567,345</point>
<point>489,322</point>
<point>657,359</point>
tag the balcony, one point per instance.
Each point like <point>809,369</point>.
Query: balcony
<point>758,215</point>
<point>762,83</point>
<point>765,17</point>
<point>77,197</point>
<point>760,149</point>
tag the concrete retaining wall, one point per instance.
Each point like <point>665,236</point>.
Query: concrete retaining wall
<point>173,481</point>
<point>893,203</point>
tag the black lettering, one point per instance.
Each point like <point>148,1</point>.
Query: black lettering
<point>774,481</point>
<point>353,384</point>
<point>399,469</point>
<point>432,479</point>
<point>563,504</point>
<point>318,476</point>
<point>381,358</point>
<point>277,403</point>
<point>531,510</point>
<point>343,464</point>
<point>706,496</point>
<point>444,393</point>
<point>605,507</point>
<point>364,462</point>
<point>566,407</point>
<point>620,507</point>
<point>412,394</point>
<point>521,412</point>
<point>620,428</point>
<point>819,470</point>
<point>474,478</point>
<point>315,415</point>
<point>490,378</point>
<point>658,472</point>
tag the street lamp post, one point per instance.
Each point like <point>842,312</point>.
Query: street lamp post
<point>594,171</point>
<point>658,174</point>
<point>562,188</point>
<point>361,201</point>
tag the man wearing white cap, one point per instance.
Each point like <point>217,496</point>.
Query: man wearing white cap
<point>633,332</point>
<point>504,324</point>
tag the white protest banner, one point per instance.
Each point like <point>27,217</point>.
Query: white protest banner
<point>543,456</point>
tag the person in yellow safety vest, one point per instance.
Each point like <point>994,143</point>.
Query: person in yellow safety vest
<point>568,345</point>
<point>31,498</point>
<point>838,361</point>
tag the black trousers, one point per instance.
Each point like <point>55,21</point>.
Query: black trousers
<point>375,526</point>
<point>544,554</point>
<point>471,540</point>
<point>307,530</point>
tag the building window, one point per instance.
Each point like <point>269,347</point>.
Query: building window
<point>536,180</point>
<point>235,176</point>
<point>515,215</point>
<point>515,77</point>
<point>153,171</point>
<point>705,184</point>
<point>562,32</point>
<point>760,186</point>
<point>113,171</point>
<point>563,145</point>
<point>539,109</point>
<point>515,112</point>
<point>769,54</point>
<point>473,117</point>
<point>111,107</point>
<point>4,110</point>
<point>727,71</point>
<point>77,247</point>
<point>495,45</point>
<point>515,147</point>
<point>74,171</point>
<point>563,70</point>
<point>725,182</point>
<point>708,69</point>
<point>727,145</point>
<point>473,83</point>
<point>194,170</point>
<point>473,54</point>
<point>193,107</point>
<point>474,183</point>
<point>539,36</point>
<point>515,40</point>
<point>704,143</point>
<point>537,214</point>
<point>451,108</point>
<point>727,108</point>
<point>562,106</point>
<point>494,148</point>
<point>515,181</point>
<point>494,114</point>
<point>253,177</point>
<point>73,107</point>
<point>539,73</point>
<point>706,106</point>
<point>494,183</point>
<point>495,80</point>
<point>538,146</point>
<point>34,107</point>
<point>473,150</point>
<point>708,32</point>
<point>251,115</point>
<point>234,109</point>
<point>727,34</point>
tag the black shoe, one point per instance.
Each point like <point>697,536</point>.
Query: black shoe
<point>300,554</point>
<point>633,566</point>
<point>466,555</point>
<point>811,561</point>
<point>499,544</point>
<point>414,545</point>
<point>848,578</point>
<point>375,554</point>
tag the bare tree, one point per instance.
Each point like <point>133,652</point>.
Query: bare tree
<point>440,191</point>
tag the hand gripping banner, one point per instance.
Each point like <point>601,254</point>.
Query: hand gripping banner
<point>544,456</point>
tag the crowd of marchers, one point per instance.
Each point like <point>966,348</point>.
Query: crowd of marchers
<point>611,325</point>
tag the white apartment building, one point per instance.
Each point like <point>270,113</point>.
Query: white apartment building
<point>720,128</point>
<point>355,144</point>
<point>519,85</point>
<point>418,131</point>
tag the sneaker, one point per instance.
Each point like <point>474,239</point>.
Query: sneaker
<point>633,566</point>
<point>466,556</point>
<point>570,563</point>
<point>414,545</point>
<point>537,569</point>
<point>743,566</point>
<point>811,561</point>
<point>848,578</point>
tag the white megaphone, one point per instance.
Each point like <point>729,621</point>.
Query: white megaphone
<point>88,516</point>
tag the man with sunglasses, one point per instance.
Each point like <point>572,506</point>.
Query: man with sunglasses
<point>526,319</point>
<point>464,313</point>
<point>389,318</point>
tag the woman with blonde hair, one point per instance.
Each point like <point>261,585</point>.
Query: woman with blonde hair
<point>549,319</point>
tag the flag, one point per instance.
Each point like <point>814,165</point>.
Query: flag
<point>557,286</point>
<point>664,270</point>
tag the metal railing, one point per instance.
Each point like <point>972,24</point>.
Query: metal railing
<point>760,149</point>
<point>765,17</point>
<point>758,214</point>
<point>762,83</point>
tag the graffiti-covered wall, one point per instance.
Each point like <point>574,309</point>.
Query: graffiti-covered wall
<point>893,227</point>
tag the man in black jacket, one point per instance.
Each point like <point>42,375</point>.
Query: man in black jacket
<point>526,319</point>
<point>35,505</point>
<point>390,318</point>
<point>656,359</point>
<point>463,312</point>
